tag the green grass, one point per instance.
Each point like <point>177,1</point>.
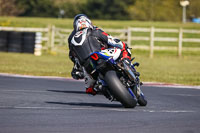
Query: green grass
<point>34,22</point>
<point>28,64</point>
<point>165,67</point>
<point>67,23</point>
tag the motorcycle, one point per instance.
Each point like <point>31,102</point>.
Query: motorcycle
<point>117,79</point>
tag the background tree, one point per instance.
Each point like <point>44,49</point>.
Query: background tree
<point>156,10</point>
<point>108,9</point>
<point>146,10</point>
<point>9,8</point>
<point>70,7</point>
<point>38,8</point>
<point>193,10</point>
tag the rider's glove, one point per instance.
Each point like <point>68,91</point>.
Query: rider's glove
<point>114,42</point>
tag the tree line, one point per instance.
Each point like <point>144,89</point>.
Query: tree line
<point>146,10</point>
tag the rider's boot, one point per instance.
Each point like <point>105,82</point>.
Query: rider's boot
<point>91,91</point>
<point>89,85</point>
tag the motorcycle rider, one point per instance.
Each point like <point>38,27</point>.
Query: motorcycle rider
<point>84,40</point>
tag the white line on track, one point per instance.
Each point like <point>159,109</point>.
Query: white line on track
<point>39,77</point>
<point>98,108</point>
<point>166,85</point>
<point>186,95</point>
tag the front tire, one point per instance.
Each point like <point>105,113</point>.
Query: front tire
<point>142,101</point>
<point>119,91</point>
<point>140,96</point>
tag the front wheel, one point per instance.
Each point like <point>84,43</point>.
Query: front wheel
<point>142,101</point>
<point>140,96</point>
<point>119,91</point>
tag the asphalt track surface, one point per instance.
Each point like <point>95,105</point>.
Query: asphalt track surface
<point>43,105</point>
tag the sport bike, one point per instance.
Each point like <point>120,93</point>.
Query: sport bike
<point>117,79</point>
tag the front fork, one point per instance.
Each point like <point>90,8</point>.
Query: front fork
<point>136,88</point>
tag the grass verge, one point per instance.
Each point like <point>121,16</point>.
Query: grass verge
<point>165,67</point>
<point>67,23</point>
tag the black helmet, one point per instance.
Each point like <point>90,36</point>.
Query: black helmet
<point>81,21</point>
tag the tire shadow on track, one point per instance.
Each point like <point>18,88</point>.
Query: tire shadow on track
<point>71,92</point>
<point>103,105</point>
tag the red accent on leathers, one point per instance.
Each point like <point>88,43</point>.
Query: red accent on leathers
<point>103,48</point>
<point>125,52</point>
<point>104,33</point>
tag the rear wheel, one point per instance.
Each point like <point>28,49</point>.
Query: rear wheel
<point>119,91</point>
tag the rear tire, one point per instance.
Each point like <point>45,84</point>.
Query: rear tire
<point>119,91</point>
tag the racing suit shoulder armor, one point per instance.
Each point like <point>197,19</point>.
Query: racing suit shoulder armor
<point>79,38</point>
